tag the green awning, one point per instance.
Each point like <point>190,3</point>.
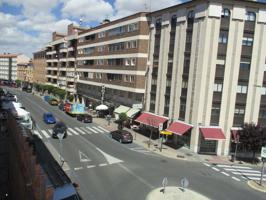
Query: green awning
<point>121,109</point>
<point>132,112</point>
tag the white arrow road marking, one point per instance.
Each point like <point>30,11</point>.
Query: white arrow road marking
<point>73,131</point>
<point>110,159</point>
<point>45,134</point>
<point>103,129</point>
<point>83,157</point>
<point>91,129</point>
<point>37,133</point>
<point>81,131</point>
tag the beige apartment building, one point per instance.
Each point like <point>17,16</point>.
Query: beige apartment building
<point>25,72</point>
<point>61,60</point>
<point>39,67</point>
<point>8,66</point>
<point>207,71</point>
<point>111,61</point>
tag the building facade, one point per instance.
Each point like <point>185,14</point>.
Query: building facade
<point>207,70</point>
<point>61,60</point>
<point>8,67</point>
<point>39,67</point>
<point>111,61</point>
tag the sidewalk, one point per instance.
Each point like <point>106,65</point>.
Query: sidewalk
<point>181,153</point>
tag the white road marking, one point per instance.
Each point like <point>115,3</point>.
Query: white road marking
<point>79,130</point>
<point>85,130</point>
<point>90,166</point>
<point>233,166</point>
<point>50,131</point>
<point>206,164</point>
<point>103,164</point>
<point>225,173</point>
<point>73,131</point>
<point>103,129</point>
<point>68,132</point>
<point>37,133</point>
<point>242,170</point>
<point>237,179</point>
<point>91,129</point>
<point>99,130</point>
<point>83,157</point>
<point>256,178</point>
<point>45,134</point>
<point>110,159</point>
<point>78,168</point>
<point>247,174</point>
<point>215,169</point>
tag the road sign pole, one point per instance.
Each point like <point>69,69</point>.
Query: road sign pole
<point>262,171</point>
<point>161,143</point>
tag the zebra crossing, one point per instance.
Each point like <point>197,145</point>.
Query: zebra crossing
<point>72,131</point>
<point>237,173</point>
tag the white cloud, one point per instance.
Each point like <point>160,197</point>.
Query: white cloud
<point>91,10</point>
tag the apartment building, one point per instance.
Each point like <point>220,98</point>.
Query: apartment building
<point>207,71</point>
<point>8,67</point>
<point>61,59</point>
<point>111,61</point>
<point>25,71</point>
<point>39,67</point>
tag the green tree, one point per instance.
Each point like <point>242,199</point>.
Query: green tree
<point>18,82</point>
<point>252,137</point>
<point>70,98</point>
<point>121,121</point>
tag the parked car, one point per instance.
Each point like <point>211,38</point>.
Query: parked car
<point>86,118</point>
<point>48,118</point>
<point>122,136</point>
<point>53,102</point>
<point>61,106</point>
<point>59,128</point>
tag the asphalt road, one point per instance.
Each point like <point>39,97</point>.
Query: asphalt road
<point>106,169</point>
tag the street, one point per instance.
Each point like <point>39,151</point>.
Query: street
<point>107,169</point>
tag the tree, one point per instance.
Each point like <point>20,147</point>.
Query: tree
<point>122,118</point>
<point>252,137</point>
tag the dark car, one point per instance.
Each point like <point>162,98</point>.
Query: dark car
<point>122,136</point>
<point>86,118</point>
<point>48,118</point>
<point>61,106</point>
<point>59,128</point>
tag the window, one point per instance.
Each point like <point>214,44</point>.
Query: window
<point>98,75</point>
<point>239,111</point>
<point>100,48</point>
<point>263,91</point>
<point>218,87</point>
<point>191,14</point>
<point>247,41</point>
<point>80,51</point>
<point>117,31</point>
<point>244,65</point>
<point>215,110</point>
<point>133,27</point>
<point>262,114</point>
<point>223,39</point>
<point>131,44</point>
<point>129,78</point>
<point>158,23</point>
<point>130,61</point>
<point>225,12</point>
<point>184,84</point>
<point>116,47</point>
<point>250,16</point>
<point>89,50</point>
<point>242,89</point>
<point>100,62</point>
<point>154,81</point>
<point>101,35</point>
<point>90,75</point>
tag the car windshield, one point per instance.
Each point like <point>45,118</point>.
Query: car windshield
<point>49,116</point>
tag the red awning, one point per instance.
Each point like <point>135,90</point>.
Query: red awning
<point>179,128</point>
<point>212,133</point>
<point>151,119</point>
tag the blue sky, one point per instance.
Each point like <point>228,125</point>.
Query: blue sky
<point>27,25</point>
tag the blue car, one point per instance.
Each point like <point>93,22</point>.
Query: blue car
<point>48,118</point>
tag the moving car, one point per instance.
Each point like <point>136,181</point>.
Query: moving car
<point>59,128</point>
<point>48,118</point>
<point>86,118</point>
<point>53,102</point>
<point>122,136</point>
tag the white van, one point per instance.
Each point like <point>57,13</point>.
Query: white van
<point>23,117</point>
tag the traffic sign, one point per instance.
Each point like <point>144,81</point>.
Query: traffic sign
<point>263,152</point>
<point>184,183</point>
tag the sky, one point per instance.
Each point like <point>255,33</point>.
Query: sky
<point>26,26</point>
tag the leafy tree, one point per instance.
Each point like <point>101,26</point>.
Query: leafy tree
<point>122,119</point>
<point>71,98</point>
<point>252,137</point>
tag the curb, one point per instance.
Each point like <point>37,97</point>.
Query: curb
<point>254,185</point>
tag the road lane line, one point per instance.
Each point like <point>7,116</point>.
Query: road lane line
<point>79,130</point>
<point>206,164</point>
<point>37,133</point>
<point>237,179</point>
<point>103,129</point>
<point>225,173</point>
<point>215,169</point>
<point>242,170</point>
<point>73,131</point>
<point>85,130</point>
<point>90,166</point>
<point>233,166</point>
<point>103,164</point>
<point>45,134</point>
<point>78,168</point>
<point>95,128</point>
<point>91,129</point>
